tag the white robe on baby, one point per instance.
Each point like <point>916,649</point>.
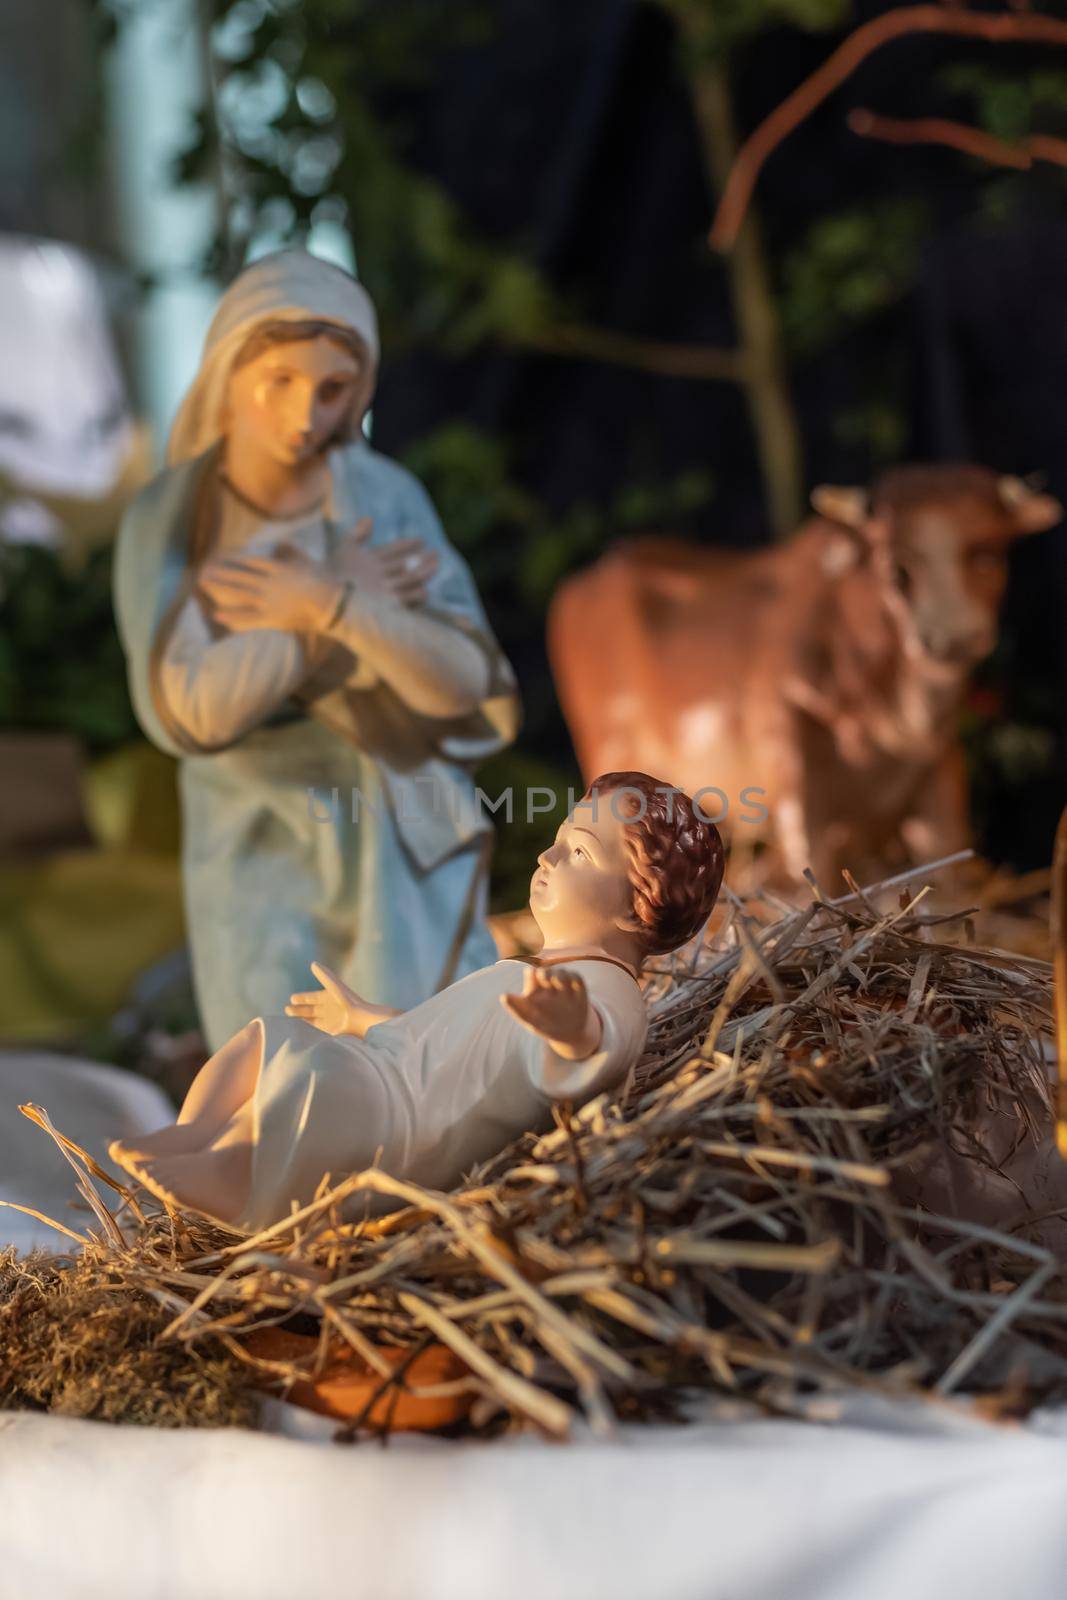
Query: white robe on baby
<point>426,1096</point>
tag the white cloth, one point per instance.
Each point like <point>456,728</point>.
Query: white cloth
<point>904,1501</point>
<point>766,1510</point>
<point>428,1095</point>
<point>91,1104</point>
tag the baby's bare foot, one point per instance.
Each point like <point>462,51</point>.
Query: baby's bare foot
<point>180,1138</point>
<point>212,1182</point>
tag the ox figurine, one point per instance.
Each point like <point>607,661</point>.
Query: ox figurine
<point>815,686</point>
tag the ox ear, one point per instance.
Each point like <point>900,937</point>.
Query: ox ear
<point>1031,510</point>
<point>849,507</point>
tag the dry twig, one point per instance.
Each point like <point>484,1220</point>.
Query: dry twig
<point>999,27</point>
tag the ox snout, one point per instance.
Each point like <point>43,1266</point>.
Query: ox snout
<point>960,649</point>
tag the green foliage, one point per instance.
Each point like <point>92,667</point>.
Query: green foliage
<point>716,26</point>
<point>1010,106</point>
<point>468,476</point>
<point>297,135</point>
<point>588,527</point>
<point>510,535</point>
<point>1010,746</point>
<point>304,139</point>
<point>853,265</point>
<point>849,266</point>
<point>878,425</point>
<point>520,835</point>
<point>61,663</point>
<point>1021,751</point>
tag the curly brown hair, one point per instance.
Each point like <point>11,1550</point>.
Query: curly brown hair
<point>675,854</point>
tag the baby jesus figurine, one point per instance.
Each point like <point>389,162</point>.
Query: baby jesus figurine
<point>338,1084</point>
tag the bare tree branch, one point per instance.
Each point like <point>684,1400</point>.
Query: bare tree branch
<point>971,141</point>
<point>1046,147</point>
<point>649,355</point>
<point>938,130</point>
<point>1020,27</point>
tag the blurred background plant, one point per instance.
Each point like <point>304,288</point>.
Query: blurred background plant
<point>80,689</point>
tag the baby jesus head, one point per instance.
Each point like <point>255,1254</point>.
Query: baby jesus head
<point>634,871</point>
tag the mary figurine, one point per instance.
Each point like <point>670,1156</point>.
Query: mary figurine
<point>300,633</point>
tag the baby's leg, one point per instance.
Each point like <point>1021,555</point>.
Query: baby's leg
<point>226,1081</point>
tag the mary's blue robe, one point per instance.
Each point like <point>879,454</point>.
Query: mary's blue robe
<point>345,828</point>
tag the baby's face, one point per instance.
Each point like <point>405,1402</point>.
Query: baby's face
<point>581,890</point>
<point>293,398</point>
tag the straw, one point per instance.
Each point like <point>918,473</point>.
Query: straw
<point>750,1215</point>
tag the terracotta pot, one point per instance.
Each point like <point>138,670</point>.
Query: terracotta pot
<point>347,1382</point>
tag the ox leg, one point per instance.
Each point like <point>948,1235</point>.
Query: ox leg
<point>770,763</point>
<point>991,1172</point>
<point>790,819</point>
<point>938,823</point>
<point>793,841</point>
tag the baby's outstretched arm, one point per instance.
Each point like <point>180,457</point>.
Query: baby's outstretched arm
<point>556,1006</point>
<point>335,1008</point>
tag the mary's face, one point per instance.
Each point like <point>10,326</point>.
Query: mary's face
<point>580,893</point>
<point>291,400</point>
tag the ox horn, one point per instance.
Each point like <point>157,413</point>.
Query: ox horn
<point>1031,510</point>
<point>848,506</point>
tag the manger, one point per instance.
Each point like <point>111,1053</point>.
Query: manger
<point>787,1199</point>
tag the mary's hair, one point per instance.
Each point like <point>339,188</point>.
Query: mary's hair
<point>287,331</point>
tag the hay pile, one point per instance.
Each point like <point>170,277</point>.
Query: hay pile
<point>78,1339</point>
<point>729,1224</point>
<point>1010,911</point>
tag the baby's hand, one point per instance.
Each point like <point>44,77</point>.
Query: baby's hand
<point>554,1004</point>
<point>334,1008</point>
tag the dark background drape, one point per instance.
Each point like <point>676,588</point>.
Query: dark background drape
<point>571,129</point>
